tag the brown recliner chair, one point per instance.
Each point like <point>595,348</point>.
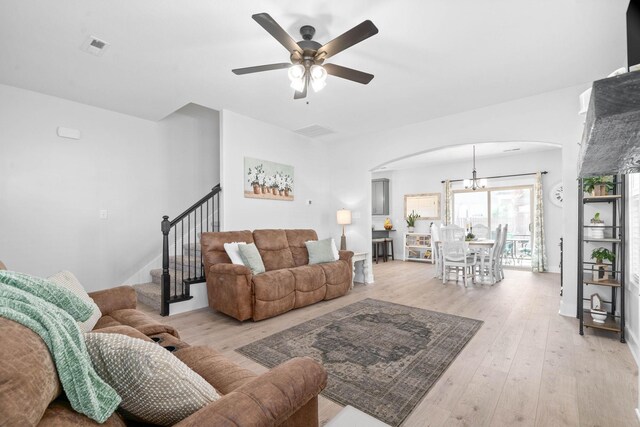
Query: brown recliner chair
<point>289,281</point>
<point>31,393</point>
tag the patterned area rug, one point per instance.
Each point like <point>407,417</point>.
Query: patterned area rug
<point>382,358</point>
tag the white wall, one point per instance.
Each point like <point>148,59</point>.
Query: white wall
<point>243,136</point>
<point>51,189</point>
<point>428,179</point>
<point>549,117</point>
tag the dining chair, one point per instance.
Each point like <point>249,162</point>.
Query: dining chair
<point>452,233</point>
<point>481,231</point>
<point>437,250</point>
<point>455,254</point>
<point>501,254</point>
<point>488,267</point>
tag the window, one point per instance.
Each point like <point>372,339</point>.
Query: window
<point>634,226</point>
<point>494,206</point>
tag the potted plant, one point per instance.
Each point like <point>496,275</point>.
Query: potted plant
<point>469,237</point>
<point>288,185</point>
<point>597,227</point>
<point>598,185</point>
<point>600,268</point>
<point>274,183</point>
<point>411,221</point>
<point>254,178</point>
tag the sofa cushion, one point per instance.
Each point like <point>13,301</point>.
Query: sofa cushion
<point>321,251</point>
<point>297,239</point>
<point>67,280</point>
<point>213,245</point>
<point>154,385</point>
<point>233,252</point>
<point>274,293</point>
<point>309,284</point>
<point>60,414</point>
<point>338,278</point>
<point>273,285</point>
<point>28,378</point>
<point>274,249</point>
<point>251,258</point>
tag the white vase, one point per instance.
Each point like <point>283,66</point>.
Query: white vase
<point>410,229</point>
<point>597,230</point>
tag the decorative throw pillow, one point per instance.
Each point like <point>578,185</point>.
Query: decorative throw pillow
<point>155,386</point>
<point>334,249</point>
<point>251,258</point>
<point>320,251</point>
<point>234,253</point>
<point>67,280</point>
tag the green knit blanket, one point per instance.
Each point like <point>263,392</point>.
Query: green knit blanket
<point>52,312</point>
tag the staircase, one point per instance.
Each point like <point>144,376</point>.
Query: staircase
<point>181,256</point>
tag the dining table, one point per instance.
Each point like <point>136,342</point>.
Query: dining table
<point>480,246</point>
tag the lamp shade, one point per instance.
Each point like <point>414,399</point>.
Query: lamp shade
<point>343,216</point>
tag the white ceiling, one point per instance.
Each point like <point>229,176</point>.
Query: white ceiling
<point>464,153</point>
<point>430,58</point>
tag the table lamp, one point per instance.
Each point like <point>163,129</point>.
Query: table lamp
<point>344,218</point>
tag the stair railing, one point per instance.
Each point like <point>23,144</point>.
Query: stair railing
<point>202,216</point>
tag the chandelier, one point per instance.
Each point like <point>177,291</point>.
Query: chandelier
<point>474,183</point>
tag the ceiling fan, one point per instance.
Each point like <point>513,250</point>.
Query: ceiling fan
<point>307,56</point>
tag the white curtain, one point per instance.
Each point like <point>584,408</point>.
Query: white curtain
<point>539,252</point>
<point>448,203</point>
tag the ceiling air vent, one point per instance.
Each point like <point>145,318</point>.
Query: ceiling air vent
<point>314,131</point>
<point>94,46</point>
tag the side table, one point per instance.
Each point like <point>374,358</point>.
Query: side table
<point>351,417</point>
<point>360,257</point>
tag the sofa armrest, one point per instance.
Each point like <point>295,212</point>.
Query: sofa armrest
<point>268,400</point>
<point>225,268</point>
<point>110,300</point>
<point>345,256</point>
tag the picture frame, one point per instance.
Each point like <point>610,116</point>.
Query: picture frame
<point>264,179</point>
<point>426,205</point>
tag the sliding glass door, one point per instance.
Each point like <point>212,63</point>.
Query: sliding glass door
<point>491,207</point>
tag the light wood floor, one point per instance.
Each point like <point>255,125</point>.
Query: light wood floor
<point>527,365</point>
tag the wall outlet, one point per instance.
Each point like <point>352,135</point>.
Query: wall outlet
<point>309,201</point>
<point>103,214</point>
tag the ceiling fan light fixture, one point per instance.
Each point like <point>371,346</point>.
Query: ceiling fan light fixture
<point>318,77</point>
<point>298,84</point>
<point>296,72</point>
<point>318,72</point>
<point>318,85</point>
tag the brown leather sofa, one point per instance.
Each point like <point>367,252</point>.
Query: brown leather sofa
<point>32,395</point>
<point>289,281</point>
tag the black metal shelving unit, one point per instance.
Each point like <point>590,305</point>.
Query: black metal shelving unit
<point>614,284</point>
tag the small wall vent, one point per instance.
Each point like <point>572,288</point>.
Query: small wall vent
<point>94,46</point>
<point>314,131</point>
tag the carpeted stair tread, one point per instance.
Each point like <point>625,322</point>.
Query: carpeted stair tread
<point>148,294</point>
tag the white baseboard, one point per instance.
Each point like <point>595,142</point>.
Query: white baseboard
<point>565,310</point>
<point>634,345</point>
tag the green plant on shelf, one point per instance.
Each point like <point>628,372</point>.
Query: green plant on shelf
<point>598,183</point>
<point>411,219</point>
<point>601,254</point>
<point>596,219</point>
